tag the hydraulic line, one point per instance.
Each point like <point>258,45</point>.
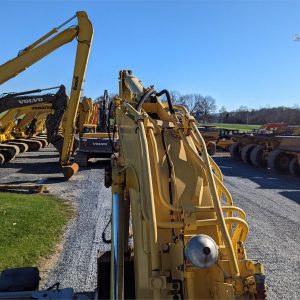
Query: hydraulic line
<point>166,92</point>
<point>213,189</point>
<point>155,263</point>
<point>225,235</point>
<point>144,98</point>
<point>161,197</point>
<point>170,171</point>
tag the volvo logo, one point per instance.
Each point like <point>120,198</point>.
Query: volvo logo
<point>30,101</point>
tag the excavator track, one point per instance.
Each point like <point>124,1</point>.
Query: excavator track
<point>22,146</point>
<point>42,140</point>
<point>33,145</point>
<point>9,151</point>
<point>2,159</point>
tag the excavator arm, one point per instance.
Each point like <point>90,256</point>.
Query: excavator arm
<point>84,113</point>
<point>39,49</point>
<point>23,100</point>
<point>188,236</point>
<point>12,115</point>
<point>16,100</point>
<point>83,32</point>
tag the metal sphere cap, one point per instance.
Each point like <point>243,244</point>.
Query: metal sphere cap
<point>202,251</point>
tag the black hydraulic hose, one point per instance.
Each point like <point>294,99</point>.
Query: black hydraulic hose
<point>144,98</point>
<point>170,167</point>
<point>108,128</point>
<point>169,163</point>
<point>103,236</point>
<point>166,92</point>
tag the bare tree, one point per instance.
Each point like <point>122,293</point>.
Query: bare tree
<point>223,114</point>
<point>205,107</point>
<point>188,101</point>
<point>175,96</point>
<point>198,106</point>
<point>111,96</point>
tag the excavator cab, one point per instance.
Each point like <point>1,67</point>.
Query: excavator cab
<point>96,140</point>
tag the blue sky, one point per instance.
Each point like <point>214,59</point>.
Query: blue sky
<point>239,52</point>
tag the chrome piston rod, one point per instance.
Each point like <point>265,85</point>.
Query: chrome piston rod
<point>117,248</point>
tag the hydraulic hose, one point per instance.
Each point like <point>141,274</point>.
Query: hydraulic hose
<point>144,98</point>
<point>166,92</point>
<point>152,91</point>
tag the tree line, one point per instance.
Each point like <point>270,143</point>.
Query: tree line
<point>289,115</point>
<point>204,109</point>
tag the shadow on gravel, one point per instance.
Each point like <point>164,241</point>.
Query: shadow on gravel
<point>90,295</point>
<point>264,178</point>
<point>49,180</point>
<point>96,165</point>
<point>36,167</point>
<point>41,156</point>
<point>292,195</point>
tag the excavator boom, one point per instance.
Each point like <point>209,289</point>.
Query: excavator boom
<point>188,236</point>
<point>51,41</point>
<point>15,100</point>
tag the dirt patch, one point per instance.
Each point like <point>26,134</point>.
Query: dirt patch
<point>46,264</point>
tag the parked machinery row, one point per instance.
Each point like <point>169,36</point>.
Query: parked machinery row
<point>82,32</point>
<point>278,150</point>
<point>274,145</point>
<point>188,237</point>
<point>25,117</point>
<point>217,138</point>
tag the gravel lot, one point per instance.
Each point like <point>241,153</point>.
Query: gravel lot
<point>270,201</point>
<point>273,214</point>
<point>76,266</point>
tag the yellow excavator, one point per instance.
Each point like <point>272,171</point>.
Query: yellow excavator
<point>25,108</point>
<point>19,126</point>
<point>94,141</point>
<point>188,236</point>
<point>32,125</point>
<point>83,33</point>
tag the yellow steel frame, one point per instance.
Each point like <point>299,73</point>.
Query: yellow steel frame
<point>202,205</point>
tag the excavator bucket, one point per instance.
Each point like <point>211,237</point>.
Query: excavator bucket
<point>70,170</point>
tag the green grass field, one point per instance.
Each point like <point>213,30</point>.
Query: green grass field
<point>30,226</point>
<point>242,127</point>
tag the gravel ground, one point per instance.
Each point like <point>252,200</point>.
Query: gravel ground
<point>270,201</point>
<point>76,266</point>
